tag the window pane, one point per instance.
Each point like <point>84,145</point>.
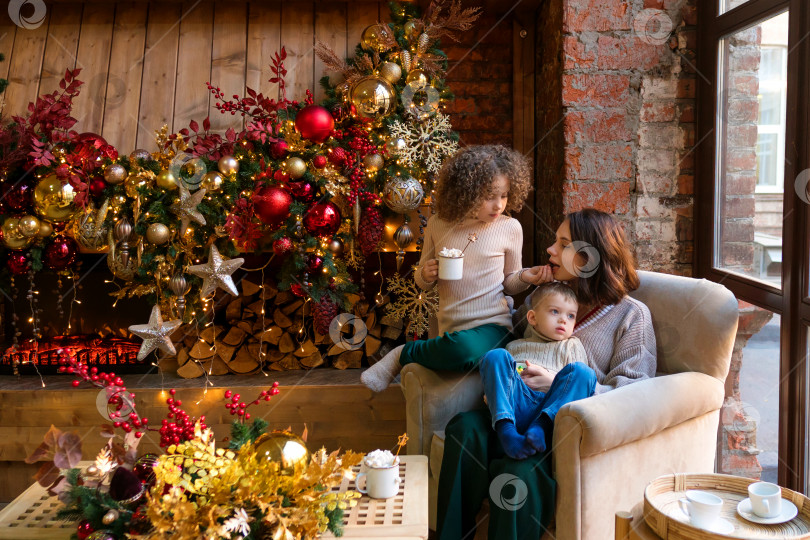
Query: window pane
<point>750,157</point>
<point>750,416</point>
<point>728,5</point>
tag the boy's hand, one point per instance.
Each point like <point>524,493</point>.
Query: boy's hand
<point>430,272</point>
<point>537,377</point>
<point>537,275</point>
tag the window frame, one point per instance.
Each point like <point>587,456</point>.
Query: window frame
<point>791,302</point>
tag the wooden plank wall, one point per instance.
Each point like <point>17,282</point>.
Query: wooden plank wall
<point>146,64</point>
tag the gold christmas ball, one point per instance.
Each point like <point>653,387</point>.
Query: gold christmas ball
<point>395,146</point>
<point>117,202</point>
<point>418,76</point>
<point>211,182</point>
<point>133,182</point>
<point>140,153</point>
<point>412,30</point>
<point>53,200</point>
<point>373,97</point>
<point>403,236</point>
<point>390,71</point>
<point>336,247</point>
<point>284,448</point>
<point>228,165</point>
<point>295,167</point>
<point>377,37</point>
<point>403,194</point>
<point>12,236</point>
<point>115,174</point>
<point>373,162</point>
<point>166,180</point>
<point>29,226</point>
<point>45,229</point>
<point>157,233</point>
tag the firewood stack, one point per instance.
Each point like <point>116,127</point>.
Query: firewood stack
<point>272,328</point>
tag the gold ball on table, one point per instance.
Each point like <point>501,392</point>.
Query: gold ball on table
<point>211,182</point>
<point>166,180</point>
<point>284,448</point>
<point>295,167</point>
<point>29,226</point>
<point>12,237</point>
<point>373,97</point>
<point>390,71</point>
<point>228,165</point>
<point>157,233</point>
<point>373,162</point>
<point>53,200</point>
<point>115,174</point>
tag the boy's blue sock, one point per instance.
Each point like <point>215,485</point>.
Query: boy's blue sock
<point>514,444</point>
<point>539,433</point>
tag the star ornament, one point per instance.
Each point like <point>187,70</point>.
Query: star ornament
<point>216,273</point>
<point>186,207</point>
<point>155,334</point>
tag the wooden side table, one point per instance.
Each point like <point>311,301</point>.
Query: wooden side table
<point>402,517</point>
<point>631,525</point>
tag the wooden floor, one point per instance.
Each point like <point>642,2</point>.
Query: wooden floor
<point>337,410</point>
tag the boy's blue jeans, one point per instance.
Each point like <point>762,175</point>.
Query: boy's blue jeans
<point>509,398</point>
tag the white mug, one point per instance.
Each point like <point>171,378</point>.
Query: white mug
<point>702,508</point>
<point>450,268</point>
<point>381,482</point>
<point>766,499</point>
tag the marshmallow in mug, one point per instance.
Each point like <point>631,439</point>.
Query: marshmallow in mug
<point>450,253</point>
<point>381,459</point>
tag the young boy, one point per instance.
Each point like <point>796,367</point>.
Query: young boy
<point>547,342</point>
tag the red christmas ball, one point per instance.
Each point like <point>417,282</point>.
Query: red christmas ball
<point>84,529</point>
<point>18,263</point>
<point>314,123</point>
<point>322,219</point>
<point>278,149</point>
<point>314,263</point>
<point>337,156</point>
<point>97,187</point>
<point>60,253</point>
<point>17,198</point>
<point>298,290</point>
<point>319,161</point>
<point>272,205</point>
<point>282,246</point>
<point>304,191</point>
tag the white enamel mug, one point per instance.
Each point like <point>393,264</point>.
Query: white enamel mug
<point>766,499</point>
<point>381,482</point>
<point>702,508</point>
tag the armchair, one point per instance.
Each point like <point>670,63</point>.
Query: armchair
<point>607,448</point>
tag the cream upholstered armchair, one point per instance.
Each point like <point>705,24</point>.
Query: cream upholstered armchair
<point>607,448</point>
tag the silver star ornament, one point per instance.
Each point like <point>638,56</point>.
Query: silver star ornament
<point>155,334</point>
<point>186,207</point>
<point>216,273</point>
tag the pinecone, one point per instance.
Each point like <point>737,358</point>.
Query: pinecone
<point>371,230</point>
<point>322,314</point>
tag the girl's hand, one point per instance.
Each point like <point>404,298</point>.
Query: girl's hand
<point>430,272</point>
<point>537,275</point>
<point>537,377</point>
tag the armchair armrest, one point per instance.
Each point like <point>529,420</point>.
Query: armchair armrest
<point>433,398</point>
<point>636,411</point>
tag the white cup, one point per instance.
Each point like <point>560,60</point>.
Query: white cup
<point>450,268</point>
<point>702,508</point>
<point>381,482</point>
<point>766,499</point>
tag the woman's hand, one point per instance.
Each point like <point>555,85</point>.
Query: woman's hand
<point>430,272</point>
<point>537,275</point>
<point>537,377</point>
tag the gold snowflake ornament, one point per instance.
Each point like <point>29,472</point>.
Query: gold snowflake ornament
<point>427,144</point>
<point>412,303</point>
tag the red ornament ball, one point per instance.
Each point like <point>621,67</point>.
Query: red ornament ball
<point>337,156</point>
<point>319,161</point>
<point>97,187</point>
<point>84,529</point>
<point>298,290</point>
<point>60,253</point>
<point>282,246</point>
<point>17,198</point>
<point>278,149</point>
<point>144,469</point>
<point>322,219</point>
<point>314,123</point>
<point>314,263</point>
<point>18,263</point>
<point>304,191</point>
<point>272,205</point>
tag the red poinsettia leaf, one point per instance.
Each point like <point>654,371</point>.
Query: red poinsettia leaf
<point>207,123</point>
<point>283,53</point>
<point>230,135</point>
<point>68,75</point>
<point>274,80</point>
<point>195,127</point>
<point>184,132</point>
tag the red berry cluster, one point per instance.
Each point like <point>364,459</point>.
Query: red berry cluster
<point>182,428</point>
<point>239,408</point>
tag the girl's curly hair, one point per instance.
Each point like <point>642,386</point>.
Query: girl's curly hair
<point>466,180</point>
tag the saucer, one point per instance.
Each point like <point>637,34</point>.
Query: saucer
<point>789,511</point>
<point>721,526</point>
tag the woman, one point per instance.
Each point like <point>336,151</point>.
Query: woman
<point>592,254</point>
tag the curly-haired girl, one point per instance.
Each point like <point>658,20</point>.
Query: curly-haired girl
<point>475,188</point>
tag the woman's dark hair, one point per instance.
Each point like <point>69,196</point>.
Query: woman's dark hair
<point>614,274</point>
